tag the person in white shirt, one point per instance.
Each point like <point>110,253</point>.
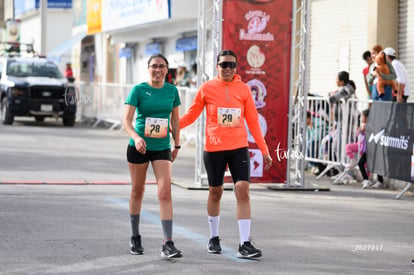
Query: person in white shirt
<point>403,84</point>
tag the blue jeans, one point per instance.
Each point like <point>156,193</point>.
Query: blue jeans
<point>387,96</point>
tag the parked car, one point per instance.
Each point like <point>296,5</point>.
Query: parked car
<point>34,86</point>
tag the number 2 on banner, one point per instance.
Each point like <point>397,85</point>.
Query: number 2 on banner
<point>156,127</point>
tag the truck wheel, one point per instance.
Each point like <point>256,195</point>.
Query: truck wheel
<point>39,118</point>
<point>6,117</point>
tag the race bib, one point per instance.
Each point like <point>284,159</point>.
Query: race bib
<point>156,127</point>
<point>228,117</point>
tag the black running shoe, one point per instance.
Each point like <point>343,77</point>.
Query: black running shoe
<point>169,251</point>
<point>135,245</point>
<point>214,245</point>
<point>247,250</point>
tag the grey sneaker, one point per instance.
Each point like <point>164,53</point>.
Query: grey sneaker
<point>247,250</point>
<point>135,245</point>
<point>214,245</point>
<point>169,251</point>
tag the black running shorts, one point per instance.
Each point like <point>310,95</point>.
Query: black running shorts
<point>238,161</point>
<point>133,156</point>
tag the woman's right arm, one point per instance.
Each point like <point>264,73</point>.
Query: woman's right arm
<point>127,123</point>
<point>193,111</point>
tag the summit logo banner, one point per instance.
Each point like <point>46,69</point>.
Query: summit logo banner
<point>389,141</point>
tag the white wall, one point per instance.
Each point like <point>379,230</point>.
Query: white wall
<point>338,38</point>
<point>59,27</point>
<point>30,31</point>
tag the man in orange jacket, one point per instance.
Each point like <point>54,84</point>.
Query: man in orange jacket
<point>228,102</point>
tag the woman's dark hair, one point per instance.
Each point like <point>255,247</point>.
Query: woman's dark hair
<point>157,56</point>
<point>344,76</point>
<point>226,52</point>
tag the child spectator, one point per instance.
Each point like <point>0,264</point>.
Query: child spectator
<point>363,159</point>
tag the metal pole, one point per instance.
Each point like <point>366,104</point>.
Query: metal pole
<point>299,88</point>
<point>13,11</point>
<point>43,25</point>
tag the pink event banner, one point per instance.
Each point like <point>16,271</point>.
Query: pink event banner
<point>260,34</point>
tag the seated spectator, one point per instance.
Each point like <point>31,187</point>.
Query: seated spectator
<point>331,143</point>
<point>316,128</point>
<point>363,159</point>
<point>354,150</point>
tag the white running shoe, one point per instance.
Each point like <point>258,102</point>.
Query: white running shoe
<point>366,184</point>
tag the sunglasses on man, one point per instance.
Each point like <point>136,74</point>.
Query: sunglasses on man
<point>227,64</point>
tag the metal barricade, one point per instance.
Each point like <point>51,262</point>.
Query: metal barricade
<point>351,122</point>
<point>330,128</point>
<point>104,103</point>
<point>189,133</point>
<point>322,148</point>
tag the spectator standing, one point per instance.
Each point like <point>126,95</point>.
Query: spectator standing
<point>403,84</point>
<point>368,59</point>
<point>373,77</point>
<point>68,71</point>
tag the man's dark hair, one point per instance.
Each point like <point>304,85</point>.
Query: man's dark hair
<point>226,52</point>
<point>366,54</point>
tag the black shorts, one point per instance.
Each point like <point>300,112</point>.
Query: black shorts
<point>133,156</point>
<point>238,161</point>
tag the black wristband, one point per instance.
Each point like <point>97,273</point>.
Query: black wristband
<point>177,146</point>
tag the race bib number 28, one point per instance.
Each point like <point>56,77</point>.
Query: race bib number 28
<point>228,117</point>
<point>156,127</point>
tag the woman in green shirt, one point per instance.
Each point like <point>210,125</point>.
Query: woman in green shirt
<point>156,104</point>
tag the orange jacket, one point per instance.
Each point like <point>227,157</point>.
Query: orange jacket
<point>226,102</point>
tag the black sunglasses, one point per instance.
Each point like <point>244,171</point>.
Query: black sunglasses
<point>227,64</point>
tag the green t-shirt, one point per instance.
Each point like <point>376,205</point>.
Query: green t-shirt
<point>153,104</point>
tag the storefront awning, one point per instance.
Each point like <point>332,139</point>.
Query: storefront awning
<point>186,44</point>
<point>152,48</point>
<point>65,46</point>
<point>125,52</point>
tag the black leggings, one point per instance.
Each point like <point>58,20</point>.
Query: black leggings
<point>361,164</point>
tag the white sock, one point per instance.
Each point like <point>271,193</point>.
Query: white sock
<point>244,230</point>
<point>213,224</point>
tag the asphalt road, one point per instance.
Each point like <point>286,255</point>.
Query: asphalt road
<point>65,216</point>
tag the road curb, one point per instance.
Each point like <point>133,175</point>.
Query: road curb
<point>68,182</point>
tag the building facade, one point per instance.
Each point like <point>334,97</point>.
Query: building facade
<point>107,41</point>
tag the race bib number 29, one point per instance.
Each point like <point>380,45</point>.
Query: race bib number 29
<point>228,117</point>
<point>156,127</point>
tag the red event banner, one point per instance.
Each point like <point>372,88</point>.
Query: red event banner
<point>259,32</point>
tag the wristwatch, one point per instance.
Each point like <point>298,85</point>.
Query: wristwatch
<point>177,146</point>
